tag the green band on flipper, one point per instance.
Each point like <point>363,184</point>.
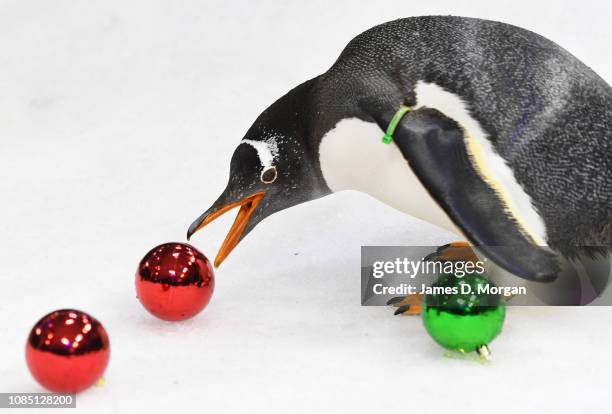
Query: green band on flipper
<point>393,124</point>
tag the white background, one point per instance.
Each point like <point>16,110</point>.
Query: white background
<point>117,122</point>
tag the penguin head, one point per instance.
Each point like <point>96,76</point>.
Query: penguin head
<point>269,172</point>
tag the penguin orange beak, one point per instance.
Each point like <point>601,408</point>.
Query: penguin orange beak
<point>247,207</point>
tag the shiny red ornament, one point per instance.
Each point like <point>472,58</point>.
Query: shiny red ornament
<point>67,351</point>
<point>174,281</point>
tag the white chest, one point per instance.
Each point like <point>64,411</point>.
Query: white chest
<point>353,157</point>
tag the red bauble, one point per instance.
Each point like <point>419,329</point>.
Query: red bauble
<point>67,351</point>
<point>174,281</point>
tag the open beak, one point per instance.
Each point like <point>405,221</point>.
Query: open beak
<point>247,207</point>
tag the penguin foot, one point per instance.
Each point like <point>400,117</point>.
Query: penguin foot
<point>407,305</point>
<point>456,251</point>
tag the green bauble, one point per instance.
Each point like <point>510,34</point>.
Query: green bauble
<point>459,314</point>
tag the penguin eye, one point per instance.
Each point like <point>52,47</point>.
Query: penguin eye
<point>268,175</point>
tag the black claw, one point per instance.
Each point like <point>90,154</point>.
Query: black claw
<point>395,300</point>
<point>438,251</point>
<point>401,310</point>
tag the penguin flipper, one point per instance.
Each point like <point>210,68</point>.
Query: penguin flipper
<point>435,148</point>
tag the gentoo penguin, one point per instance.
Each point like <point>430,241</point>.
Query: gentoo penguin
<point>505,137</point>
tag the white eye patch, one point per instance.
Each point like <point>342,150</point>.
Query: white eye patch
<point>267,151</point>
